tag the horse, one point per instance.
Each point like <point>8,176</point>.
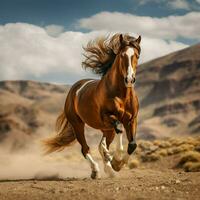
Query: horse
<point>109,104</point>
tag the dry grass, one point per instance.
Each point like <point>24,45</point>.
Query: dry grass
<point>175,150</point>
<point>190,161</point>
<point>162,144</point>
<point>197,148</point>
<point>191,156</point>
<point>150,157</point>
<point>186,148</point>
<point>192,166</point>
<point>163,152</point>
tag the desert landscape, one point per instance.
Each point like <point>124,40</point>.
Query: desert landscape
<point>166,164</point>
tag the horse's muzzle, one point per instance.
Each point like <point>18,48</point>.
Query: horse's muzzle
<point>129,82</point>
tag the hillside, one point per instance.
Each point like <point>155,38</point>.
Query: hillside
<point>28,107</point>
<point>169,93</point>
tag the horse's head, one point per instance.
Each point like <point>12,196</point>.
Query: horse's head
<point>128,59</point>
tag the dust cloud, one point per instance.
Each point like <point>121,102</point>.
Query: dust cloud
<point>27,161</point>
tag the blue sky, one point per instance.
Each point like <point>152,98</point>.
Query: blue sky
<point>67,12</point>
<point>45,38</point>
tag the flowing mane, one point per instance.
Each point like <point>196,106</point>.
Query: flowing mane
<point>101,52</point>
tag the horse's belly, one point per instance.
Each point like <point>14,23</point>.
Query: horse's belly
<point>94,124</point>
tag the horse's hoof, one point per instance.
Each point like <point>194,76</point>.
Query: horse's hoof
<point>131,147</point>
<point>117,165</point>
<point>95,175</point>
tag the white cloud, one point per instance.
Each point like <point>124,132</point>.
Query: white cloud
<point>170,27</point>
<point>54,30</point>
<point>179,4</point>
<point>144,2</point>
<point>170,4</point>
<point>27,51</point>
<point>174,4</point>
<point>153,48</point>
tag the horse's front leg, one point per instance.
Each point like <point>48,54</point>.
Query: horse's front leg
<point>111,118</point>
<point>118,161</point>
<point>117,157</point>
<point>112,121</point>
<point>130,128</point>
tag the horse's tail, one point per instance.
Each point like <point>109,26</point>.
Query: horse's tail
<point>65,135</point>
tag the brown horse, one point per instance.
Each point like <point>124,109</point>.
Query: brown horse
<point>107,104</point>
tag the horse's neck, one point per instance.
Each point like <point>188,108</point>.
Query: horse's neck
<point>115,82</point>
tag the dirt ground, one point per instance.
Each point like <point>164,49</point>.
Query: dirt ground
<point>147,182</point>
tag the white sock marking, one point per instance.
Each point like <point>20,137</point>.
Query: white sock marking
<point>94,165</point>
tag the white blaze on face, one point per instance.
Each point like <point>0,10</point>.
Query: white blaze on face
<point>130,72</point>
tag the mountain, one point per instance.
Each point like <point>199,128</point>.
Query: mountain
<point>168,89</point>
<point>169,93</point>
<point>28,108</point>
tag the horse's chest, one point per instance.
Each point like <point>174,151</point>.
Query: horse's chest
<point>130,108</point>
<point>124,108</point>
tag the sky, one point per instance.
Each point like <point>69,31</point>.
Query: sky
<point>43,40</point>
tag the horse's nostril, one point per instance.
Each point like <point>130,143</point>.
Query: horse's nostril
<point>126,80</point>
<point>133,80</point>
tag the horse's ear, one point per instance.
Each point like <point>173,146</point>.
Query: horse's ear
<point>138,40</point>
<point>119,44</point>
<point>121,39</point>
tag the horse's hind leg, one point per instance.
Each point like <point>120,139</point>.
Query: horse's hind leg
<point>106,140</point>
<point>78,126</point>
<point>117,163</point>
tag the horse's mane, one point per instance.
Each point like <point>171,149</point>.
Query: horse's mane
<point>101,52</point>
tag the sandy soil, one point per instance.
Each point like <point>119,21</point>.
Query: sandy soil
<point>148,182</point>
